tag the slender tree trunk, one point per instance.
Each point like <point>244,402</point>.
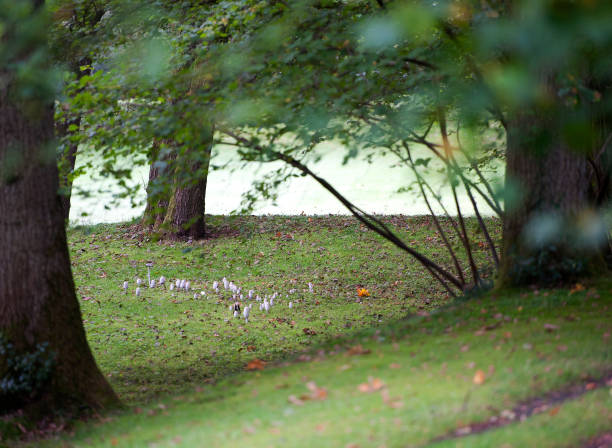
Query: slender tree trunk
<point>38,303</point>
<point>66,164</point>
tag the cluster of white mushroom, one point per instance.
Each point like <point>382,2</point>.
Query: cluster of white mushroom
<point>182,285</point>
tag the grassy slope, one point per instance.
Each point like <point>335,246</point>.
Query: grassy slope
<point>422,367</point>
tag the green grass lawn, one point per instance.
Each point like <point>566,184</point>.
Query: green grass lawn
<point>405,366</point>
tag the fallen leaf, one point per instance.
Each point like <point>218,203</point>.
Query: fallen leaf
<point>554,411</point>
<point>479,377</point>
<point>372,385</point>
<point>550,327</point>
<point>392,402</point>
<point>362,292</point>
<point>358,350</point>
<point>591,386</point>
<point>316,392</point>
<point>295,400</point>
<point>309,332</point>
<point>577,288</point>
<point>394,365</point>
<point>256,364</point>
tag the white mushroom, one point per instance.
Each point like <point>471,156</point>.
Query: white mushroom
<point>125,287</point>
<point>171,286</point>
<point>138,282</point>
<point>148,264</point>
<point>290,305</point>
<point>138,291</point>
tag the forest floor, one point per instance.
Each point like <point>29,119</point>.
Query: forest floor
<point>404,366</point>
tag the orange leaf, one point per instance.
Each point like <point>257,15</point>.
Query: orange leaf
<point>358,350</point>
<point>577,288</point>
<point>554,411</point>
<point>317,393</point>
<point>372,385</point>
<point>256,364</point>
<point>362,292</point>
<point>479,377</point>
<point>364,387</point>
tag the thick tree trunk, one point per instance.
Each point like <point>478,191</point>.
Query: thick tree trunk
<point>38,303</point>
<point>185,213</point>
<point>179,212</point>
<point>551,182</point>
<point>158,190</point>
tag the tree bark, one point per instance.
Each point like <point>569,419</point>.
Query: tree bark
<point>185,214</point>
<point>38,303</point>
<point>179,213</point>
<point>66,164</point>
<point>552,182</point>
<point>158,190</point>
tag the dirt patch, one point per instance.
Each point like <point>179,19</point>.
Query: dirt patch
<point>602,441</point>
<point>546,403</point>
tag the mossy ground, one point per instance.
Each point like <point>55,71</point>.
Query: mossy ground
<point>405,366</point>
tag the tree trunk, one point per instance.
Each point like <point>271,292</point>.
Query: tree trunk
<point>185,213</point>
<point>66,163</point>
<point>38,303</point>
<point>551,182</point>
<point>158,188</point>
<point>179,213</point>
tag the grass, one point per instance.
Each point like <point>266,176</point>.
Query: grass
<point>402,367</point>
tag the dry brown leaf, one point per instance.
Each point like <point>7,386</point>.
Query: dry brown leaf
<point>392,402</point>
<point>316,392</point>
<point>364,387</point>
<point>577,288</point>
<point>372,385</point>
<point>255,364</point>
<point>554,411</point>
<point>479,377</point>
<point>295,400</point>
<point>358,350</point>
